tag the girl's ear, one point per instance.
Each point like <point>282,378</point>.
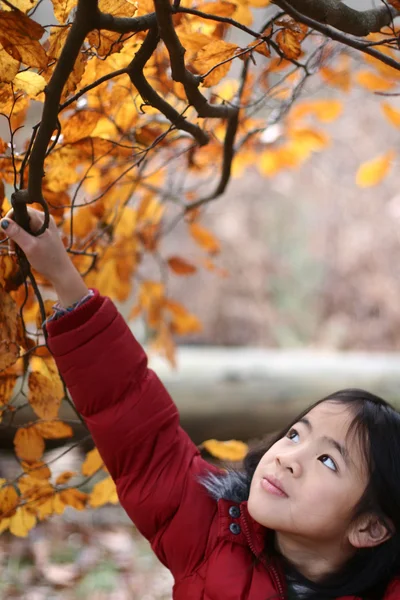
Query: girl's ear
<point>369,531</point>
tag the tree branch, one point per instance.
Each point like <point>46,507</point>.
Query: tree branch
<point>176,53</point>
<point>135,72</point>
<point>85,20</point>
<point>342,17</point>
<point>338,36</point>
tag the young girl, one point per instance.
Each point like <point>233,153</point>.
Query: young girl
<point>315,514</point>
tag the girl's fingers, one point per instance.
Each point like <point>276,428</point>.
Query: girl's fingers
<point>36,218</point>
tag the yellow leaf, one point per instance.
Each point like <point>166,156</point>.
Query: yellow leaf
<point>62,8</point>
<point>308,140</point>
<point>23,5</point>
<point>392,114</point>
<point>210,56</point>
<point>232,450</point>
<point>10,330</point>
<point>9,501</point>
<point>182,322</point>
<point>45,394</point>
<point>22,522</point>
<point>221,8</point>
<point>29,444</point>
<point>74,498</point>
<point>36,470</point>
<point>373,171</point>
<point>103,492</point>
<point>325,110</point>
<point>19,36</point>
<point>93,462</point>
<point>373,82</point>
<point>180,266</point>
<point>29,82</point>
<point>65,477</point>
<point>204,238</point>
<point>8,66</point>
<point>54,430</point>
<point>80,125</point>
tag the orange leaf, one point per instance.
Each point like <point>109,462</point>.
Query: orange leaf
<point>62,8</point>
<point>74,498</point>
<point>93,462</point>
<point>392,115</point>
<point>103,492</point>
<point>29,444</point>
<point>80,125</point>
<point>20,37</point>
<point>7,384</point>
<point>54,430</point>
<point>65,477</point>
<point>373,82</point>
<point>210,56</point>
<point>45,394</point>
<point>288,42</point>
<point>182,322</point>
<point>9,501</point>
<point>204,238</point>
<point>10,330</point>
<point>221,8</point>
<point>373,171</point>
<point>180,266</point>
<point>232,450</point>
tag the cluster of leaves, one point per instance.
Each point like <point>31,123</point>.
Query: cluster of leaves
<point>141,128</point>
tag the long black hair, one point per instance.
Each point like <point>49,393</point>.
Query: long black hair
<point>377,426</point>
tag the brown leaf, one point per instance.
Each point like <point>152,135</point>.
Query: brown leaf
<point>180,266</point>
<point>7,384</point>
<point>10,330</point>
<point>8,66</point>
<point>9,501</point>
<point>29,444</point>
<point>288,41</point>
<point>20,37</point>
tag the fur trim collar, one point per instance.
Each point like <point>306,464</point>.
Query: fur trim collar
<point>230,485</point>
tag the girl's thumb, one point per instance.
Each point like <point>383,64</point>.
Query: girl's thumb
<point>15,232</point>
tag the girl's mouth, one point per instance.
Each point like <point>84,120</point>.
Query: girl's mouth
<point>273,486</point>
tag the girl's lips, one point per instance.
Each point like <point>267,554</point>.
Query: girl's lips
<point>273,486</point>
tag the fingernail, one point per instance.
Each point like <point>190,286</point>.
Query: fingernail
<point>5,223</point>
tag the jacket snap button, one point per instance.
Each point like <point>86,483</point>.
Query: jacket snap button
<point>234,528</point>
<point>234,512</point>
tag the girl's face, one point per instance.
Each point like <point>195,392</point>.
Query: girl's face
<point>308,483</point>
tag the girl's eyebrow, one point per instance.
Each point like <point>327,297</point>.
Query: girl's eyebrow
<point>334,443</point>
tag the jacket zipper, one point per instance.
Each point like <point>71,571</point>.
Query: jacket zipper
<point>270,568</point>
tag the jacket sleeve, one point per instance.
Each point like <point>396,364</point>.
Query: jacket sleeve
<point>135,426</point>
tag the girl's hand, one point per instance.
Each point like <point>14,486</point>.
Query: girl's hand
<point>46,254</point>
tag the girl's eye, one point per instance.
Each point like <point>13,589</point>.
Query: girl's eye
<point>293,435</point>
<point>327,461</point>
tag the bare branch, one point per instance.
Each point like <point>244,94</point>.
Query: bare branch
<point>135,72</point>
<point>342,17</point>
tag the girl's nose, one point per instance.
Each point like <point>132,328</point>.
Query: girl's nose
<point>289,463</point>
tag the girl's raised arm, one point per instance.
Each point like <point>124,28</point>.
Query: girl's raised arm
<point>131,416</point>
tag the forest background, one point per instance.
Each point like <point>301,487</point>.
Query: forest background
<point>299,250</point>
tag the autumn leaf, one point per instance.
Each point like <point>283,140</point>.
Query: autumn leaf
<point>46,390</point>
<point>210,56</point>
<point>104,492</point>
<point>180,266</point>
<point>204,238</point>
<point>22,522</point>
<point>92,463</point>
<point>29,444</point>
<point>373,171</point>
<point>53,430</point>
<point>10,330</point>
<point>23,5</point>
<point>373,82</point>
<point>9,500</point>
<point>392,114</point>
<point>7,384</point>
<point>232,450</point>
<point>288,41</point>
<point>19,36</point>
<point>65,477</point>
<point>8,66</point>
<point>62,9</point>
<point>74,497</point>
<point>29,82</point>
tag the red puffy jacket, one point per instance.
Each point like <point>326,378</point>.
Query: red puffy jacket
<point>210,546</point>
